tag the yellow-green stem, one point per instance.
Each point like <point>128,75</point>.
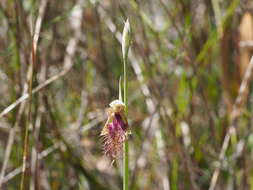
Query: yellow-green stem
<point>125,148</point>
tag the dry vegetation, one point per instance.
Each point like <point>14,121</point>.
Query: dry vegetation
<point>189,93</point>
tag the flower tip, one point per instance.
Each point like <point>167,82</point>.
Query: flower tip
<point>115,103</point>
<point>127,25</point>
<point>126,38</point>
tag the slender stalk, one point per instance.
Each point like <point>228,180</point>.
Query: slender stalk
<point>125,146</point>
<point>125,44</point>
<point>126,169</point>
<point>29,120</point>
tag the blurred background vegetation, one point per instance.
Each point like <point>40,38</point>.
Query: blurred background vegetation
<point>187,62</point>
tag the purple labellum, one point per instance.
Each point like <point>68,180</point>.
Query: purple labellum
<point>115,137</point>
<point>120,121</point>
<point>115,131</point>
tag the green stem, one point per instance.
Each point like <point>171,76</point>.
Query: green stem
<point>125,86</point>
<point>125,147</point>
<point>126,176</point>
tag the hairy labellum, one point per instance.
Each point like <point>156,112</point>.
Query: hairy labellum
<point>116,130</point>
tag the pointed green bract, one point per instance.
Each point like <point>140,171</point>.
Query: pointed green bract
<point>126,39</point>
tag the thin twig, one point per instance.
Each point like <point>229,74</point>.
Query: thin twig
<point>236,112</point>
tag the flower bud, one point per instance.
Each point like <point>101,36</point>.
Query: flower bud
<point>126,39</point>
